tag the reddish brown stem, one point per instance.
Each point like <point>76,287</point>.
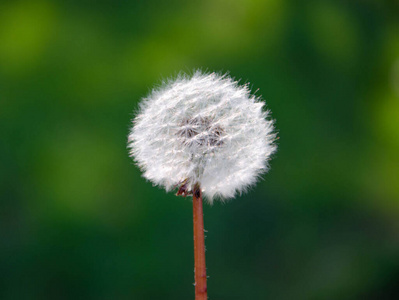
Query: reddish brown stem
<point>199,246</point>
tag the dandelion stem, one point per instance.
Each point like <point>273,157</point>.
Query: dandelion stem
<point>199,246</point>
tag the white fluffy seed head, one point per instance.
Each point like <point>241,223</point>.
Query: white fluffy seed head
<point>205,130</point>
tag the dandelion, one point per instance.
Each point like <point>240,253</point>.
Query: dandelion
<point>202,135</point>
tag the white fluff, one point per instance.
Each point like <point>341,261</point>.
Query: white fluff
<point>203,129</point>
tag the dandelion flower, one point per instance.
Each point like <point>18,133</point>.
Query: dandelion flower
<point>203,130</point>
<point>204,135</point>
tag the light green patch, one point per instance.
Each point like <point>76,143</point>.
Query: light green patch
<point>25,30</point>
<point>334,32</point>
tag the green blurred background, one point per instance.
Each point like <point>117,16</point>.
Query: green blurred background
<point>77,220</point>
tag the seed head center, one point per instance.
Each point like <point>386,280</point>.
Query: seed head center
<point>201,131</point>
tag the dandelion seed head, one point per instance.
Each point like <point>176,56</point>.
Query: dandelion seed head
<point>203,129</point>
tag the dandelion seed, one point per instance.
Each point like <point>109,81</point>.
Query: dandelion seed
<point>203,129</point>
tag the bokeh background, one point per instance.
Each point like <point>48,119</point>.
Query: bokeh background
<point>77,220</point>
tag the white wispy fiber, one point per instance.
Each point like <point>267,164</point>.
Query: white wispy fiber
<point>203,129</point>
